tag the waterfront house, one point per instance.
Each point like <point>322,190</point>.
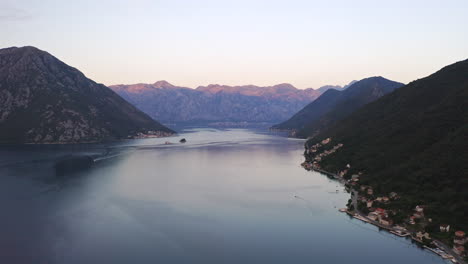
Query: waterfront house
<point>444,228</point>
<point>460,250</point>
<point>460,234</point>
<point>369,203</point>
<point>400,228</point>
<point>419,212</point>
<point>459,238</point>
<point>386,221</point>
<point>355,177</point>
<point>373,216</point>
<point>393,195</point>
<point>459,242</point>
<point>419,209</point>
<point>421,235</point>
<point>370,191</point>
<point>385,199</point>
<point>411,220</point>
<point>381,212</point>
<point>418,215</point>
<point>326,141</point>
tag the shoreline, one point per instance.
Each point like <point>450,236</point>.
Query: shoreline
<point>440,248</point>
<point>101,141</point>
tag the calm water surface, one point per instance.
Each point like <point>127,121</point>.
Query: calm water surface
<point>225,196</point>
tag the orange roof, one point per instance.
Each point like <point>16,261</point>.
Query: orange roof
<point>459,233</point>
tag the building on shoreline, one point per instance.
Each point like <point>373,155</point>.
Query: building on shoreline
<point>444,228</point>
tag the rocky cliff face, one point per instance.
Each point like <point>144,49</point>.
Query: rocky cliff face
<point>217,103</point>
<point>43,100</point>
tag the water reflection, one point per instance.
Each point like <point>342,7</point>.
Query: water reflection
<point>225,196</point>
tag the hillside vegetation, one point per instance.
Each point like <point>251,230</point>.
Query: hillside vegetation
<point>413,141</point>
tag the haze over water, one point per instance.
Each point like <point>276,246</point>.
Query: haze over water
<point>225,196</point>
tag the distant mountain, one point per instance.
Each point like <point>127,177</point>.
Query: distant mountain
<point>43,100</point>
<point>328,87</point>
<point>284,90</point>
<point>413,141</point>
<point>336,87</point>
<point>349,84</point>
<point>334,105</point>
<point>216,103</point>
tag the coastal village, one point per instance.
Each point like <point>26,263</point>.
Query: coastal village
<point>151,134</point>
<point>379,210</point>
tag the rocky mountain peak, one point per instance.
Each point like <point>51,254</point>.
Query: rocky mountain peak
<point>163,84</point>
<point>43,100</point>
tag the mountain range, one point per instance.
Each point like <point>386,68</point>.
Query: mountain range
<point>412,141</point>
<point>336,87</point>
<point>218,103</point>
<point>333,105</point>
<point>43,100</point>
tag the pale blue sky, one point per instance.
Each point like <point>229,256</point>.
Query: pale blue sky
<point>191,43</point>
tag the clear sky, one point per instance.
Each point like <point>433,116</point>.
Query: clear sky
<point>196,42</point>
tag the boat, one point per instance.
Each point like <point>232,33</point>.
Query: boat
<point>183,140</point>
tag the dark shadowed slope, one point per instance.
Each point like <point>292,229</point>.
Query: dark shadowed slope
<point>43,100</point>
<point>334,105</point>
<point>413,141</point>
<point>336,87</point>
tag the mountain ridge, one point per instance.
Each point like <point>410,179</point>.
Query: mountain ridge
<point>412,141</point>
<point>217,103</point>
<point>334,104</point>
<point>44,100</point>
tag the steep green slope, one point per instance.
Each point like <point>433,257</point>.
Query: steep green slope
<point>413,141</point>
<point>312,111</point>
<point>334,105</point>
<point>359,94</point>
